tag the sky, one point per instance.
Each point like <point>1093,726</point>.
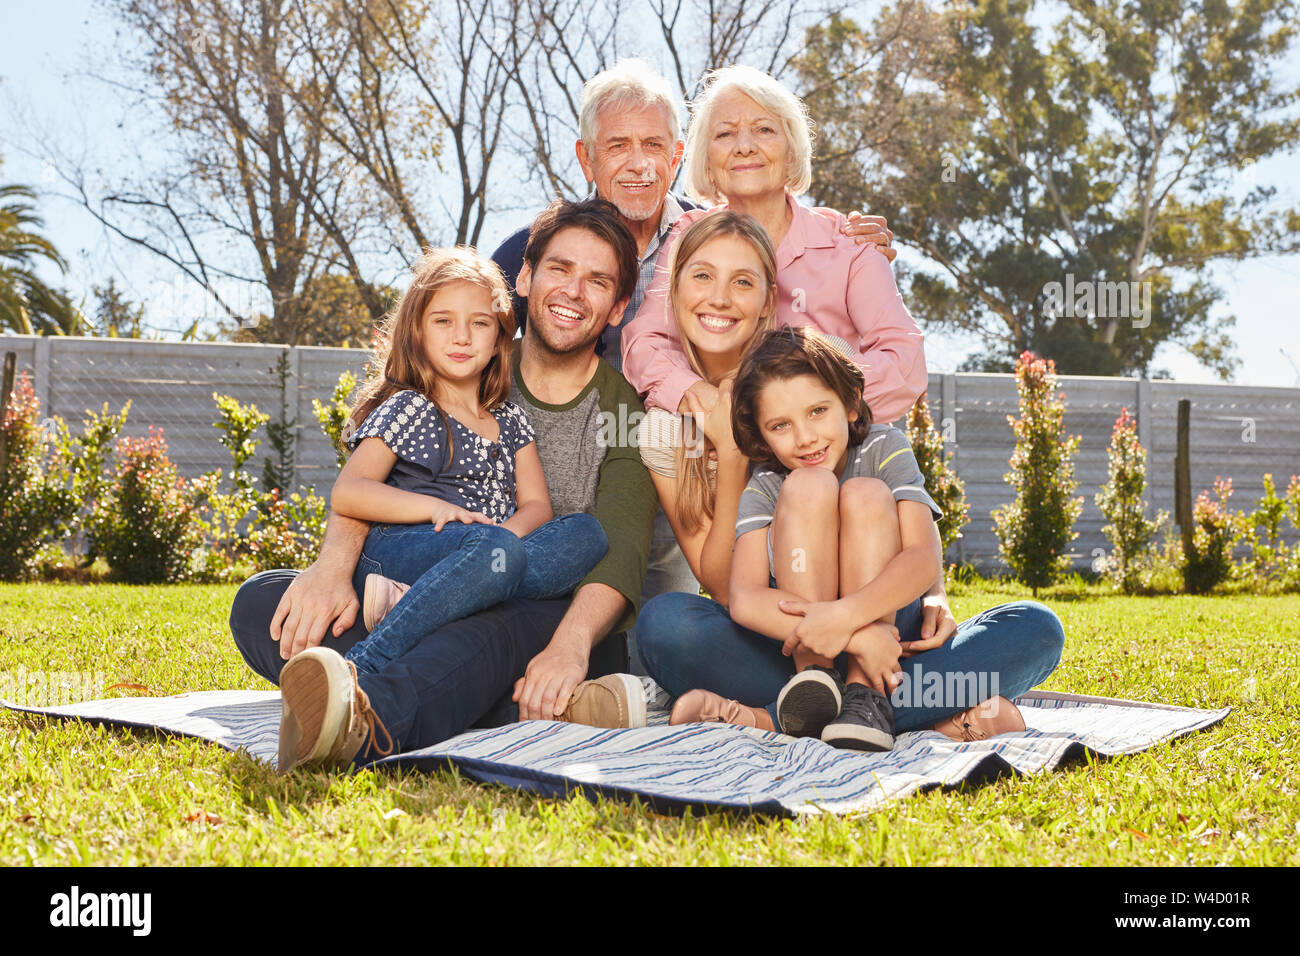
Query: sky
<point>49,51</point>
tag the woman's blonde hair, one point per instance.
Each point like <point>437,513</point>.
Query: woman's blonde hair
<point>771,96</point>
<point>400,348</point>
<point>694,490</point>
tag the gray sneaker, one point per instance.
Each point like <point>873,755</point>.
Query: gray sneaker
<point>866,721</point>
<point>809,701</point>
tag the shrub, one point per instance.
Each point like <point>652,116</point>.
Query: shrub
<point>83,464</point>
<point>1216,531</point>
<point>1264,527</point>
<point>144,523</point>
<point>1130,531</point>
<point>277,471</point>
<point>1034,530</point>
<point>237,423</point>
<point>333,416</point>
<point>35,506</point>
<point>288,532</point>
<point>947,490</point>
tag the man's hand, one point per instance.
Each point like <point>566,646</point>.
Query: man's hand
<point>937,625</point>
<point>550,679</point>
<point>825,629</point>
<point>876,649</point>
<point>315,599</point>
<point>870,229</point>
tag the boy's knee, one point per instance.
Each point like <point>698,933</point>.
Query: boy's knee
<point>809,489</point>
<point>867,496</point>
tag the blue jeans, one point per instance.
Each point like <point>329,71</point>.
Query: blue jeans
<point>465,568</point>
<point>458,677</point>
<point>688,641</point>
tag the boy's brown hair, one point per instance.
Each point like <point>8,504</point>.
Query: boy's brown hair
<point>783,354</point>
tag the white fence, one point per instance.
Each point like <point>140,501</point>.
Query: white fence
<point>1240,432</point>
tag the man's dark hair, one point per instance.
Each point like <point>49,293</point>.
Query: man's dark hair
<point>598,217</point>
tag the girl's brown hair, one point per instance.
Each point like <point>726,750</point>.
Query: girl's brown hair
<point>694,493</point>
<point>399,343</point>
<point>784,354</point>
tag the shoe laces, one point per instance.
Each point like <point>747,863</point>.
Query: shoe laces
<point>368,719</point>
<point>863,704</point>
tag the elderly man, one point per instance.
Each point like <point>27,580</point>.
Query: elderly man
<point>630,146</point>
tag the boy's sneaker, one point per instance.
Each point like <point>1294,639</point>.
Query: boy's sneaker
<point>381,594</point>
<point>324,716</point>
<point>809,701</point>
<point>866,721</point>
<point>615,700</point>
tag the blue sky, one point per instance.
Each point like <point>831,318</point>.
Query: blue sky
<point>49,49</point>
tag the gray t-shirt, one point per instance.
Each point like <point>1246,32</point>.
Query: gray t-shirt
<point>477,474</point>
<point>884,454</point>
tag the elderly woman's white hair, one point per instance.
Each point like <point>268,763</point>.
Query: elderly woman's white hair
<point>769,94</point>
<point>628,84</point>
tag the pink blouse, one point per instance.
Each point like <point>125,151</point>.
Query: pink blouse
<point>824,279</point>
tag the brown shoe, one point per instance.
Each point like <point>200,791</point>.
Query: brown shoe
<point>324,716</point>
<point>706,707</point>
<point>997,715</point>
<point>381,594</point>
<point>615,700</point>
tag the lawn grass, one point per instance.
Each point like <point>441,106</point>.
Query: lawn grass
<point>76,794</point>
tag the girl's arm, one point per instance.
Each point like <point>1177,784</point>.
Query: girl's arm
<point>360,492</point>
<point>532,499</point>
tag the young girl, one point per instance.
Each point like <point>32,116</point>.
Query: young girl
<point>447,469</point>
<point>834,534</point>
<point>723,295</point>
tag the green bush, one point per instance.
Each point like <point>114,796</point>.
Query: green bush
<point>1216,532</point>
<point>1035,529</point>
<point>1121,501</point>
<point>144,524</point>
<point>333,416</point>
<point>947,490</point>
<point>35,505</point>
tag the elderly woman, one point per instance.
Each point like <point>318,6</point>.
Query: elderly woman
<point>750,146</point>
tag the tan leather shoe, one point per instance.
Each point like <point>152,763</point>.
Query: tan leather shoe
<point>381,594</point>
<point>997,715</point>
<point>615,700</point>
<point>706,707</point>
<point>325,717</point>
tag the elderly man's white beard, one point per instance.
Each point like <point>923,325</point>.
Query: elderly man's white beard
<point>637,215</point>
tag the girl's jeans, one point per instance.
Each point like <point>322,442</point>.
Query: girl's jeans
<point>466,568</point>
<point>687,641</point>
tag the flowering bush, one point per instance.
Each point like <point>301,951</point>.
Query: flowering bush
<point>1216,532</point>
<point>144,523</point>
<point>289,531</point>
<point>34,504</point>
<point>1035,529</point>
<point>947,490</point>
<point>1130,531</point>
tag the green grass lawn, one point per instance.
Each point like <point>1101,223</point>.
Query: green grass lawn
<point>74,794</point>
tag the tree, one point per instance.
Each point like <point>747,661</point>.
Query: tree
<point>1068,180</point>
<point>27,304</point>
<point>115,315</point>
<point>1034,530</point>
<point>330,311</point>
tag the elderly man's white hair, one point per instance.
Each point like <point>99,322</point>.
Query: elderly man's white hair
<point>769,94</point>
<point>628,84</point>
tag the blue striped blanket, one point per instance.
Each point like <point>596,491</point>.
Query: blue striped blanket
<point>700,765</point>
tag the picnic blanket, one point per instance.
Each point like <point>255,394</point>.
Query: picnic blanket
<point>707,766</point>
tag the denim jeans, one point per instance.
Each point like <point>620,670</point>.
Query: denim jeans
<point>688,641</point>
<point>457,677</point>
<point>668,570</point>
<point>465,568</point>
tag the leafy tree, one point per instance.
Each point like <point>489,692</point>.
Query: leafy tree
<point>116,317</point>
<point>1104,145</point>
<point>28,305</point>
<point>1035,529</point>
<point>328,311</point>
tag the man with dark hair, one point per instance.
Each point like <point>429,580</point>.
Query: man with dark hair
<point>521,659</point>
